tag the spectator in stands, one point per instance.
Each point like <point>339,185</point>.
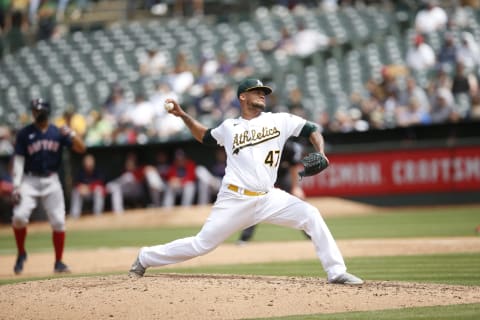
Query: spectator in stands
<point>210,180</point>
<point>195,7</point>
<point>182,77</point>
<point>371,108</point>
<point>375,90</point>
<point>242,68</point>
<point>116,107</point>
<point>443,107</point>
<point>15,36</point>
<point>390,106</point>
<point>464,81</point>
<point>131,184</point>
<point>341,122</point>
<point>468,52</point>
<point>100,130</point>
<point>88,184</point>
<point>294,102</point>
<point>208,68</point>
<point>458,15</point>
<point>228,106</point>
<point>389,79</point>
<point>431,18</point>
<point>76,121</point>
<point>294,4</point>
<point>447,55</point>
<point>323,120</point>
<point>414,91</point>
<point>412,114</point>
<point>224,65</point>
<point>5,11</point>
<point>441,79</point>
<point>142,114</point>
<point>180,180</point>
<point>33,8</point>
<point>126,133</point>
<point>284,46</point>
<point>307,41</point>
<point>329,5</point>
<point>153,63</point>
<point>359,124</point>
<point>45,19</point>
<point>207,100</point>
<point>420,56</point>
<point>81,6</point>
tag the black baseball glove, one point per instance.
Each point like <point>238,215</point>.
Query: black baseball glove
<point>313,163</point>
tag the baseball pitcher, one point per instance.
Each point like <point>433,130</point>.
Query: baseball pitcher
<point>37,159</point>
<point>253,144</point>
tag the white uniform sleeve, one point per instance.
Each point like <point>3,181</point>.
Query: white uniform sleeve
<point>218,134</point>
<point>293,124</point>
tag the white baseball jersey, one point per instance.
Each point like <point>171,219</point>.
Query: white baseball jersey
<point>268,134</point>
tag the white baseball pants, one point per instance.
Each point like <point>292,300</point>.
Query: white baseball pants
<point>233,212</point>
<point>46,191</point>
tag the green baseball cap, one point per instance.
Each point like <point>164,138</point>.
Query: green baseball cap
<point>251,84</point>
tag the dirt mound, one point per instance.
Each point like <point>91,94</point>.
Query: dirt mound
<point>168,296</point>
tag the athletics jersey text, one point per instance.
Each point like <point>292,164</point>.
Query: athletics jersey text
<point>253,137</point>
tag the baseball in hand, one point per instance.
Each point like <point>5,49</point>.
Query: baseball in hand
<point>168,106</point>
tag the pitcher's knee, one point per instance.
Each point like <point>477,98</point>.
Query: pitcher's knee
<point>311,216</point>
<point>203,247</point>
<point>58,224</point>
<point>19,222</point>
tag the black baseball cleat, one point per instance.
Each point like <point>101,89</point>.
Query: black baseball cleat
<point>21,258</point>
<point>346,278</point>
<point>136,270</point>
<point>61,267</point>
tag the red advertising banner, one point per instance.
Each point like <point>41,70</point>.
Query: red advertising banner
<point>398,172</point>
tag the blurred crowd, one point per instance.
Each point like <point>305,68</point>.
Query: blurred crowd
<point>23,22</point>
<point>431,86</point>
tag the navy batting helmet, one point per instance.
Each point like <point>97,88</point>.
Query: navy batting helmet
<point>40,104</point>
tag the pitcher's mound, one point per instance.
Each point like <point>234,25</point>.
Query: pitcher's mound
<point>174,296</point>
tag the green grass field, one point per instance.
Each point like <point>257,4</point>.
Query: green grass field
<point>460,269</point>
<point>457,222</point>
